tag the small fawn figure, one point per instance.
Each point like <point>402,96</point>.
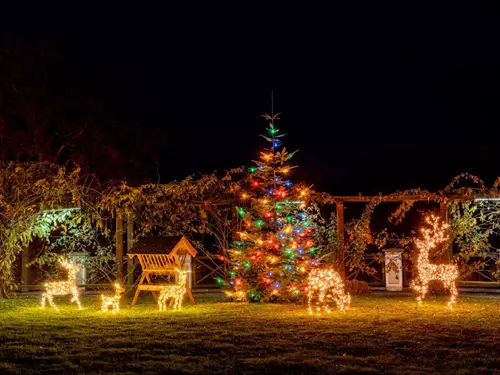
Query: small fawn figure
<point>176,292</point>
<point>447,273</point>
<point>112,301</point>
<point>326,283</point>
<point>61,288</point>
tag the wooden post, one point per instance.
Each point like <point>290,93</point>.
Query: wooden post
<point>443,213</point>
<point>25,276</point>
<point>119,245</point>
<point>340,231</point>
<point>130,243</point>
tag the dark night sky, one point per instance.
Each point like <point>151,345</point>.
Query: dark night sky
<point>375,99</point>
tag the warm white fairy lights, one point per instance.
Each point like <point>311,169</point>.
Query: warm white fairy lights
<point>61,288</point>
<point>432,236</point>
<point>112,302</point>
<point>176,292</point>
<point>327,284</point>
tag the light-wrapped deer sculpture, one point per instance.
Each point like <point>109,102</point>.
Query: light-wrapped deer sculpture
<point>431,237</point>
<point>112,301</point>
<point>61,288</point>
<point>175,291</point>
<point>325,284</point>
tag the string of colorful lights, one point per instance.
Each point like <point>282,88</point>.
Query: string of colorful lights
<point>275,250</point>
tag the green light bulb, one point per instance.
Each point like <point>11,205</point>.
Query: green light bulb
<point>241,212</point>
<point>259,223</point>
<point>252,169</point>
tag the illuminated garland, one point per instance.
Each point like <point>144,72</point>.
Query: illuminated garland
<point>112,301</point>
<point>176,292</point>
<point>61,288</point>
<point>447,273</point>
<point>326,284</point>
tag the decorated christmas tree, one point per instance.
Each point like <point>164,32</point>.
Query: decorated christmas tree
<point>275,249</point>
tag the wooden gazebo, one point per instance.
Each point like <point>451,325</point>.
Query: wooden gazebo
<point>161,256</point>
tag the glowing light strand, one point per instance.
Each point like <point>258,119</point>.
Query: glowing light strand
<point>112,302</point>
<point>446,273</point>
<point>326,284</point>
<point>61,288</point>
<point>176,292</point>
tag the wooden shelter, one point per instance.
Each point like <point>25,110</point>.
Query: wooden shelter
<point>162,256</point>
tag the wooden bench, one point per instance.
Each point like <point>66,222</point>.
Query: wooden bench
<point>161,264</point>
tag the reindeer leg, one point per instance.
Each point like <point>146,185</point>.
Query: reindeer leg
<point>44,297</point>
<point>452,287</point>
<point>421,290</point>
<point>309,301</point>
<point>77,300</point>
<point>51,301</point>
<point>179,302</point>
<point>323,305</point>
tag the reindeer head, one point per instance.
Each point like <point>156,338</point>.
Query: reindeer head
<point>118,288</point>
<point>434,234</point>
<point>69,265</point>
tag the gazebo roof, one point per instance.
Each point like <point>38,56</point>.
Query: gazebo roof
<point>162,245</point>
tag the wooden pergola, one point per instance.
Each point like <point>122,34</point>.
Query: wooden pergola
<point>339,201</point>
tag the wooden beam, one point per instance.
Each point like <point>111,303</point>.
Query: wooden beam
<point>215,202</point>
<point>130,243</point>
<point>119,245</point>
<point>396,198</point>
<point>340,231</point>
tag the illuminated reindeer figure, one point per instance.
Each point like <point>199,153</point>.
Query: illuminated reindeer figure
<point>112,301</point>
<point>61,288</point>
<point>326,283</point>
<point>447,273</point>
<point>176,292</point>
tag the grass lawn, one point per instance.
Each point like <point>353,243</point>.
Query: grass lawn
<point>379,334</point>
